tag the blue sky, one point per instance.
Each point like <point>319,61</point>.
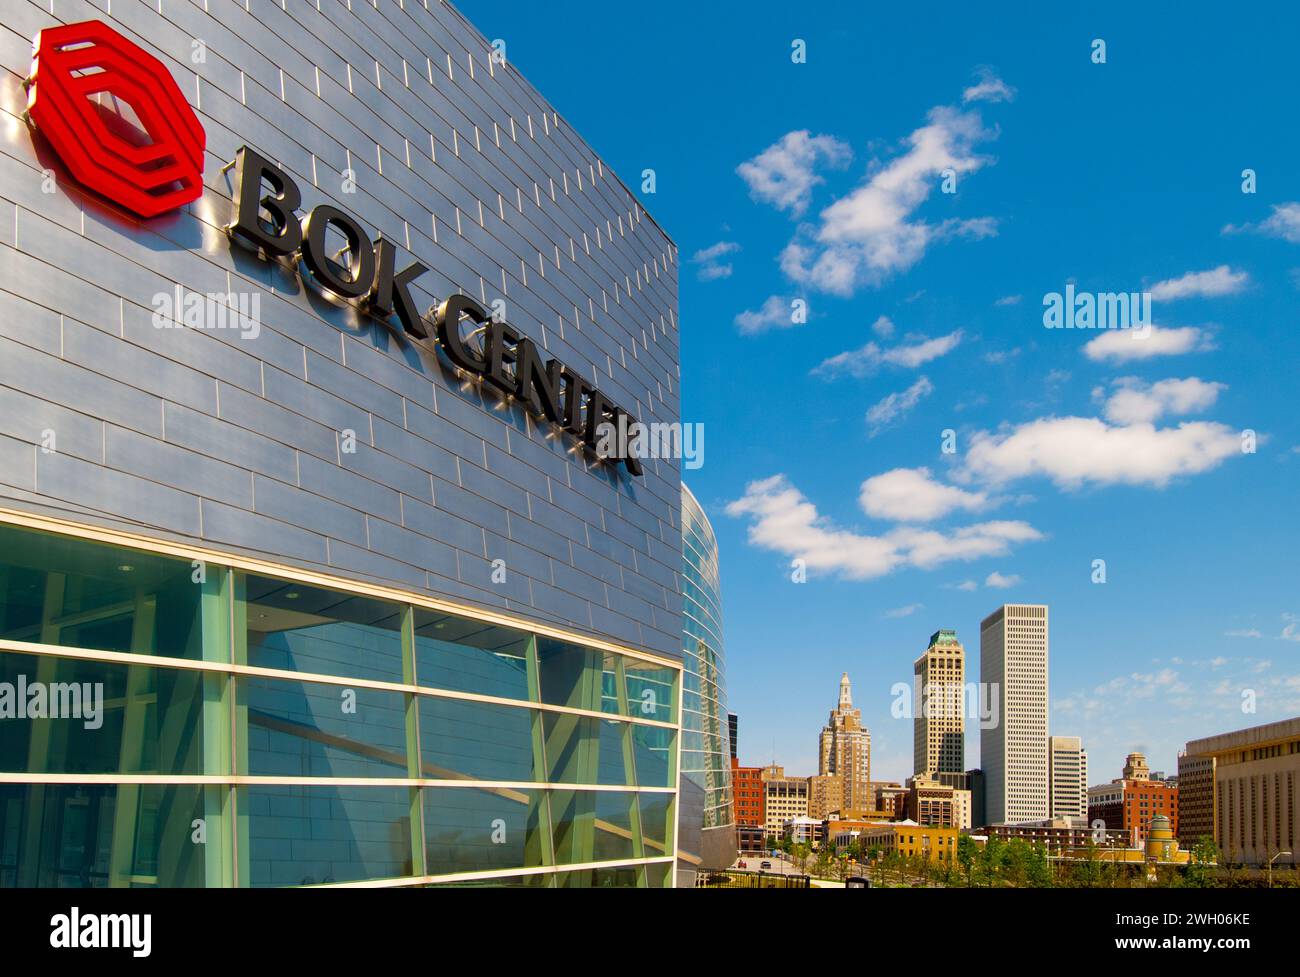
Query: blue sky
<point>822,181</point>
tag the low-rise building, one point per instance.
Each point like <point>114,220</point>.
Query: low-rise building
<point>804,831</point>
<point>890,796</point>
<point>910,839</point>
<point>928,801</point>
<point>1059,834</point>
<point>1160,848</point>
<point>784,798</point>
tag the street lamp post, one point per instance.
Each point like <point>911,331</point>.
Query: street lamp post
<point>1270,866</point>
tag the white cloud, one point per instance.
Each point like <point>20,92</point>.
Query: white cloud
<point>1009,300</point>
<point>871,234</point>
<point>1291,632</point>
<point>968,585</point>
<point>1135,402</point>
<point>775,313</point>
<point>922,350</point>
<point>711,267</point>
<point>1121,345</point>
<point>989,88</point>
<point>1001,582</point>
<point>784,174</point>
<point>1207,284</point>
<point>883,327</point>
<point>1244,633</point>
<point>1073,451</point>
<point>783,520</point>
<point>1284,222</point>
<point>905,611</point>
<point>897,405</point>
<point>914,351</point>
<point>911,495</point>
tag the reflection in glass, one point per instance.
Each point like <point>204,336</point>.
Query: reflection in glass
<point>100,835</point>
<point>477,829</point>
<point>652,753</point>
<point>463,655</point>
<point>308,729</point>
<point>585,750</point>
<point>476,741</point>
<point>650,690</point>
<point>56,590</point>
<point>657,817</point>
<point>314,835</point>
<point>311,629</point>
<point>120,718</point>
<point>100,718</point>
<point>593,826</point>
<point>578,677</point>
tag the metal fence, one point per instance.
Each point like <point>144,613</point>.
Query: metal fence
<point>750,880</point>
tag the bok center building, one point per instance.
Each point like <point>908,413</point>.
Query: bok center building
<point>314,567</point>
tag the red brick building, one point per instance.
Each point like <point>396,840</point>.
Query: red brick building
<point>748,792</point>
<point>1130,803</point>
<point>749,795</point>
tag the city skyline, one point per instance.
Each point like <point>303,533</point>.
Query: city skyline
<point>1196,607</point>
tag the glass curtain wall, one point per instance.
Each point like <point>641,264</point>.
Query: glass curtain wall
<point>169,722</point>
<point>706,751</point>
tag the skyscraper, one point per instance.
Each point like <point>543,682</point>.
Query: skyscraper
<point>939,737</point>
<point>1068,772</point>
<point>845,749</point>
<point>1013,744</point>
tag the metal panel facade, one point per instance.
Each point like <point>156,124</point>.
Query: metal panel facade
<point>394,112</point>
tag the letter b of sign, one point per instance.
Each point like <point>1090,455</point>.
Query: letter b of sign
<point>149,168</point>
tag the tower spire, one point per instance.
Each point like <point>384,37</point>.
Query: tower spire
<point>846,693</point>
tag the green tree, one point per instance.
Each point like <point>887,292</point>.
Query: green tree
<point>967,852</point>
<point>824,859</point>
<point>1200,872</point>
<point>989,863</point>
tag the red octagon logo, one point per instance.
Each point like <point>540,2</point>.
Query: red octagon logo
<point>148,176</point>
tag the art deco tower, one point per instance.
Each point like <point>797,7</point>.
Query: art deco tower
<point>845,750</point>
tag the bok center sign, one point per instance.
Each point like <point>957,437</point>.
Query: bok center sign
<point>264,217</point>
<point>162,169</point>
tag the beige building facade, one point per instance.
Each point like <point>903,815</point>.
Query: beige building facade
<point>786,799</point>
<point>1254,797</point>
<point>1068,775</point>
<point>939,721</point>
<point>844,749</point>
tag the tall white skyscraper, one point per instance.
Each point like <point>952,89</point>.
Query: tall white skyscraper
<point>1013,748</point>
<point>1068,772</point>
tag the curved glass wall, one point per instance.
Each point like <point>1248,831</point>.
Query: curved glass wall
<point>706,751</point>
<point>170,722</point>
